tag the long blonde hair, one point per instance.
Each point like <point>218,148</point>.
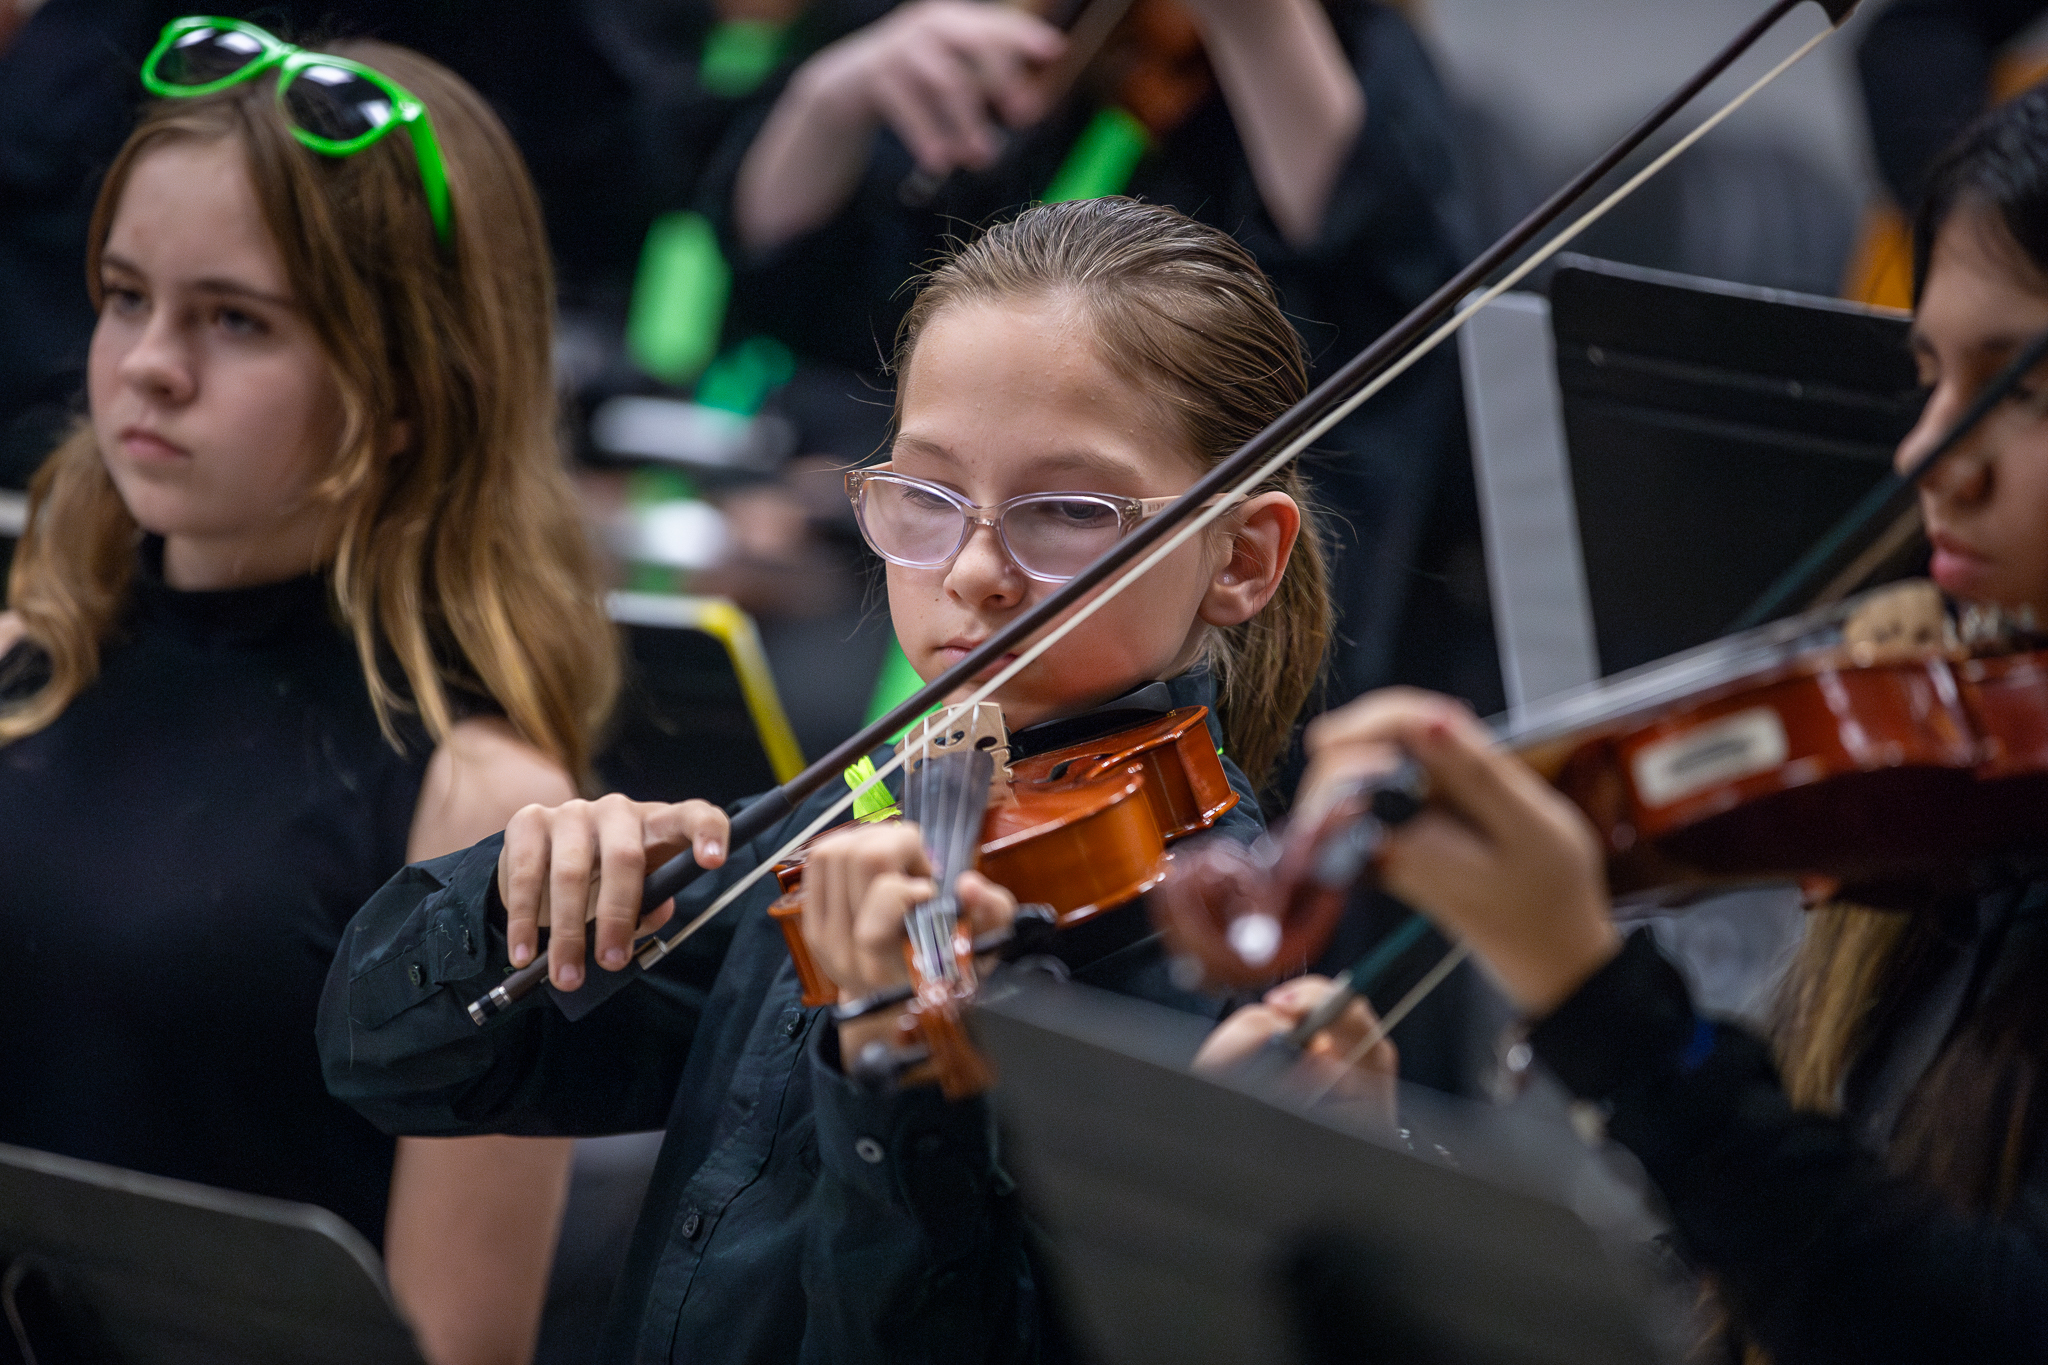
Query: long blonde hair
<point>1185,312</point>
<point>462,558</point>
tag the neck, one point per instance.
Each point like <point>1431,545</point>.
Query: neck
<point>213,564</point>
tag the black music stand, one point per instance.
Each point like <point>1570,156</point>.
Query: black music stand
<point>1190,1220</point>
<point>113,1265</point>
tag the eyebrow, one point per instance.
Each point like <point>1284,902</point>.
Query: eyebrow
<point>1088,461</point>
<point>2000,342</point>
<point>209,285</point>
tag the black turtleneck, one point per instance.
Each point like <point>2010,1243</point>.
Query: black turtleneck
<point>179,852</point>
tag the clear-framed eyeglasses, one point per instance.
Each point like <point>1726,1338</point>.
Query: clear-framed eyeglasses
<point>1050,536</point>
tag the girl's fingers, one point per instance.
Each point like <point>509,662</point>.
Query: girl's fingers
<point>696,825</point>
<point>571,865</point>
<point>622,839</point>
<point>1239,1036</point>
<point>986,906</point>
<point>522,872</point>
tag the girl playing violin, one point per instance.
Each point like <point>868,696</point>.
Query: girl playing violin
<point>304,597</point>
<point>1058,377</point>
<point>1878,1192</point>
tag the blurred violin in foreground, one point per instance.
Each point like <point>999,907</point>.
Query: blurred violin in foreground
<point>1873,748</point>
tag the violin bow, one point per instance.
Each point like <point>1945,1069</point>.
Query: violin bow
<point>1835,566</point>
<point>1400,347</point>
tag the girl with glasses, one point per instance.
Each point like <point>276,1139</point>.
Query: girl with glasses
<point>303,598</point>
<point>1874,1187</point>
<point>1056,378</point>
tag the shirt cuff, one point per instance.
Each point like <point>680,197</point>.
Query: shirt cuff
<point>907,1148</point>
<point>1631,1022</point>
<point>450,936</point>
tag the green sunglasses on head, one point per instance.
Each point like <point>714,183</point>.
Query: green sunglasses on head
<point>333,105</point>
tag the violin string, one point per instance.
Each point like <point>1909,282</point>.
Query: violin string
<point>662,945</point>
<point>1438,974</point>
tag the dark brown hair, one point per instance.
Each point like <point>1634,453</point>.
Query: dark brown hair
<point>1183,311</point>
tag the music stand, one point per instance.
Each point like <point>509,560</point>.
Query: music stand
<point>1190,1220</point>
<point>166,1272</point>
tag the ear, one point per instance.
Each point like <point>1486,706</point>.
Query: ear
<point>1262,535</point>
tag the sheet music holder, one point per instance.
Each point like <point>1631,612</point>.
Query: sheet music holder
<point>1191,1220</point>
<point>165,1272</point>
<point>1716,431</point>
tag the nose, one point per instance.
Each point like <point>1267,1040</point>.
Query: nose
<point>983,573</point>
<point>1965,474</point>
<point>158,363</point>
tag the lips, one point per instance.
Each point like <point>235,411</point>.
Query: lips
<point>1958,567</point>
<point>143,444</point>
<point>953,651</point>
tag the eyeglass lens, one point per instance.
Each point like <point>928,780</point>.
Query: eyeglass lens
<point>206,55</point>
<point>1054,536</point>
<point>336,104</point>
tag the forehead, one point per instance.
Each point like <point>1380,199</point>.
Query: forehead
<point>1024,383</point>
<point>188,213</point>
<point>1980,288</point>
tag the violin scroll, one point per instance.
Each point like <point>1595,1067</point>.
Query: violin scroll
<point>1246,917</point>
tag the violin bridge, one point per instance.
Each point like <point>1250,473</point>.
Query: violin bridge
<point>957,729</point>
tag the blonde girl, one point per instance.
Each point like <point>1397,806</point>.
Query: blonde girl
<point>306,597</point>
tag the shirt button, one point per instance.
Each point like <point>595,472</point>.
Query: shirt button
<point>868,1150</point>
<point>415,973</point>
<point>793,1025</point>
<point>691,1222</point>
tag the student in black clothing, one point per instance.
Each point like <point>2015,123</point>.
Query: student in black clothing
<point>1102,351</point>
<point>1318,135</point>
<point>1887,1199</point>
<point>305,597</point>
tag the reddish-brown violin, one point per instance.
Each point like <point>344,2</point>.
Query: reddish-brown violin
<point>1078,830</point>
<point>1869,748</point>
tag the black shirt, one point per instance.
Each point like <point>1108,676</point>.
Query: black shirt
<point>1823,1255</point>
<point>179,852</point>
<point>793,1215</point>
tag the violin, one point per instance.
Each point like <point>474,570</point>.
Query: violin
<point>1869,748</point>
<point>1072,833</point>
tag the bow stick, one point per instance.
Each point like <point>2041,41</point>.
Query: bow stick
<point>1255,461</point>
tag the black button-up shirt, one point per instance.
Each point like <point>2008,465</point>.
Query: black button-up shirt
<point>793,1215</point>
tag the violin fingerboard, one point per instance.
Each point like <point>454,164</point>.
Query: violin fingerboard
<point>945,795</point>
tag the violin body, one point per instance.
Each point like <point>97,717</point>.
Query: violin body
<point>1882,777</point>
<point>1082,829</point>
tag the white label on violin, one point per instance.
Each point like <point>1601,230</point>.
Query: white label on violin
<point>1725,750</point>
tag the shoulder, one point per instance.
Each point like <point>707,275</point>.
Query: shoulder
<point>475,780</point>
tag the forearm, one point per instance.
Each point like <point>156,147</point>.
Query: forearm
<point>1821,1253</point>
<point>1294,98</point>
<point>806,162</point>
<point>470,1240</point>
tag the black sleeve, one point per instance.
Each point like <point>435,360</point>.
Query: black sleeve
<point>1822,1255</point>
<point>1926,69</point>
<point>397,1043</point>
